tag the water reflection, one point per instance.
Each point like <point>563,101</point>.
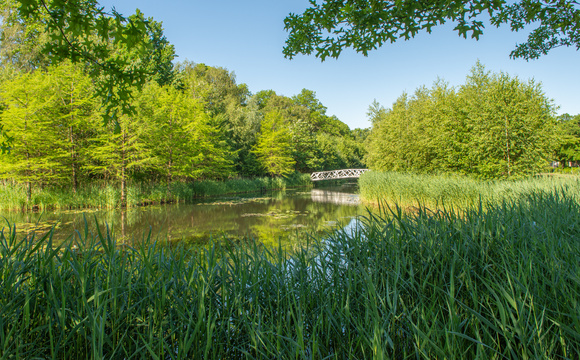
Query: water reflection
<point>334,197</point>
<point>271,218</point>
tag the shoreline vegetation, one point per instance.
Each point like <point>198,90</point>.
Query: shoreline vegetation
<point>103,195</point>
<point>456,192</point>
<point>499,281</point>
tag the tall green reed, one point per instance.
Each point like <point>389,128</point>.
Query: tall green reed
<point>107,195</point>
<point>500,281</point>
<point>457,191</point>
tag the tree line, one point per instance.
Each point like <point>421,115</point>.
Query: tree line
<point>493,126</point>
<point>186,122</point>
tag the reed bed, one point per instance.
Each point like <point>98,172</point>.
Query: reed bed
<point>459,192</point>
<point>501,281</point>
<point>106,195</point>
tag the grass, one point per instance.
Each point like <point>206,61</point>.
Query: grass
<point>105,195</point>
<point>454,191</point>
<point>501,281</point>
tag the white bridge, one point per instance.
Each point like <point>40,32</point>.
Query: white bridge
<point>337,174</point>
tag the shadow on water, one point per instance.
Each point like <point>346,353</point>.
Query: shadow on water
<point>271,218</point>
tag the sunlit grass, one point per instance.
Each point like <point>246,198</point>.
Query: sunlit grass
<point>500,281</point>
<point>436,191</point>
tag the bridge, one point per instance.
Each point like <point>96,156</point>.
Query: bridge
<point>337,174</point>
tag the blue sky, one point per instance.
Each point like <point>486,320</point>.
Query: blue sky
<point>247,37</point>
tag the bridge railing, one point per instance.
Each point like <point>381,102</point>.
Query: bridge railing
<point>337,174</point>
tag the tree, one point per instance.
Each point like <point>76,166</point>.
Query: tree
<point>511,123</point>
<point>75,116</point>
<point>22,43</point>
<point>568,128</point>
<point>216,86</point>
<point>494,126</point>
<point>273,147</point>
<point>307,98</point>
<point>83,32</point>
<point>328,27</point>
<point>36,157</point>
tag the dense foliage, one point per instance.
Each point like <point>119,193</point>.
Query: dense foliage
<point>329,26</point>
<point>499,282</point>
<point>493,126</point>
<point>568,151</point>
<point>181,123</point>
<point>202,128</point>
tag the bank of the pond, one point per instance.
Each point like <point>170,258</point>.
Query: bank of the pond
<point>437,191</point>
<point>500,282</point>
<point>108,196</point>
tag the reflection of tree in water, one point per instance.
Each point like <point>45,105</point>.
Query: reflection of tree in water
<point>294,219</point>
<point>284,217</point>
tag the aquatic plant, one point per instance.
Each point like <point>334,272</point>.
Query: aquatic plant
<point>500,281</point>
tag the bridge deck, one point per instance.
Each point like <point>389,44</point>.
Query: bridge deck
<point>337,174</point>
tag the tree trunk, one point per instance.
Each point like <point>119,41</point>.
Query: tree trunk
<point>73,161</point>
<point>507,147</point>
<point>72,141</point>
<point>123,172</point>
<point>170,162</point>
<point>28,171</point>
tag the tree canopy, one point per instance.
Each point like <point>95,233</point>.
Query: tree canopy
<point>494,126</point>
<point>329,26</point>
<point>121,52</point>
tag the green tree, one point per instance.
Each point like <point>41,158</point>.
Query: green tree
<point>35,157</point>
<point>242,131</point>
<point>307,98</point>
<point>117,152</point>
<point>273,148</point>
<point>512,123</point>
<point>494,126</point>
<point>329,26</point>
<point>179,137</point>
<point>75,116</point>
<point>82,31</point>
<point>568,128</point>
<point>215,86</point>
<point>22,42</point>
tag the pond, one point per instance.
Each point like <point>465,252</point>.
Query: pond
<point>271,218</point>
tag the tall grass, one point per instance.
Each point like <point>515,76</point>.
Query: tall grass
<point>457,191</point>
<point>501,281</point>
<point>106,195</point>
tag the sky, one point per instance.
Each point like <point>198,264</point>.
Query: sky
<point>247,37</point>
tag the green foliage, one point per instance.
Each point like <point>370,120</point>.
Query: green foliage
<point>49,116</point>
<point>121,53</point>
<point>329,26</point>
<point>494,283</point>
<point>568,128</point>
<point>188,123</point>
<point>494,126</point>
<point>319,141</point>
<point>273,147</point>
<point>22,42</point>
<point>179,136</point>
<point>215,86</point>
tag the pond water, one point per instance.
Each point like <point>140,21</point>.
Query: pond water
<point>270,218</point>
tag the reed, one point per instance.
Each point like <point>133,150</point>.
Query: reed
<point>106,195</point>
<point>501,281</point>
<point>455,191</point>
